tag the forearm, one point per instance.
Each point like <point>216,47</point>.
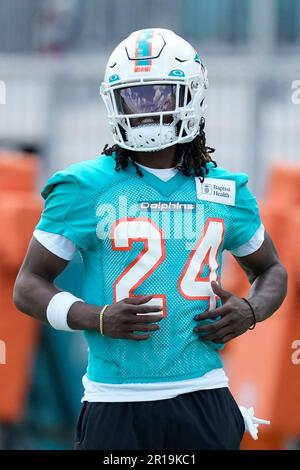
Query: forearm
<point>268,291</point>
<point>32,295</point>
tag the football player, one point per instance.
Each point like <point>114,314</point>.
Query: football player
<point>151,218</point>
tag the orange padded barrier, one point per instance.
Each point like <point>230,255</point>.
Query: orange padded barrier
<point>284,185</point>
<point>259,363</point>
<point>19,211</point>
<point>20,334</point>
<point>18,172</point>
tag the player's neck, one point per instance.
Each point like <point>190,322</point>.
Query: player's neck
<point>167,158</point>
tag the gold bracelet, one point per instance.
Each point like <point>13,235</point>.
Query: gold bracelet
<point>101,319</point>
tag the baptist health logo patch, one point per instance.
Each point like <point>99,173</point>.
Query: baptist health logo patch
<point>216,190</point>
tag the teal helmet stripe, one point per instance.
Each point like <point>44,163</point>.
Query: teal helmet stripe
<point>144,48</point>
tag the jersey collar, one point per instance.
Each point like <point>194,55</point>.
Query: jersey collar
<point>164,187</point>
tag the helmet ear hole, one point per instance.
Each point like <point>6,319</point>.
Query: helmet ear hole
<point>122,131</point>
<point>182,94</point>
<point>178,127</point>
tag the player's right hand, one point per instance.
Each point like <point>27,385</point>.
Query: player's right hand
<point>122,319</point>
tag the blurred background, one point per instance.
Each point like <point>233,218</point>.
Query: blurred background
<point>52,59</point>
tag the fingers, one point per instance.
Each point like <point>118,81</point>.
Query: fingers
<point>216,331</point>
<point>124,318</point>
<point>145,318</point>
<point>212,314</point>
<point>135,305</point>
<point>217,336</point>
<point>138,299</point>
<point>211,327</point>
<point>144,308</point>
<point>223,294</point>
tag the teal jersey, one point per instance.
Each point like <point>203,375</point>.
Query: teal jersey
<point>140,235</point>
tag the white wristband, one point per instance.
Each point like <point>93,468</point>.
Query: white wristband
<point>58,308</point>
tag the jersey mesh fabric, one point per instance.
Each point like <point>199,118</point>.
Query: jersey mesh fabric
<point>174,352</point>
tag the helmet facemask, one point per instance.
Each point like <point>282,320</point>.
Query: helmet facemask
<point>153,114</point>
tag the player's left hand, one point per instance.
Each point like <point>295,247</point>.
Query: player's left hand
<point>235,318</point>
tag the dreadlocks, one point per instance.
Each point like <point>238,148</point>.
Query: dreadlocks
<point>193,157</point>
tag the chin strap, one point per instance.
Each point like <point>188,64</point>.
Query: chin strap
<point>251,422</point>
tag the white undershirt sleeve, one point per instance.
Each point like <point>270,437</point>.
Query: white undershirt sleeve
<point>59,245</point>
<point>252,245</point>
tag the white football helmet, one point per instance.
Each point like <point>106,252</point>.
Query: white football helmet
<point>154,90</point>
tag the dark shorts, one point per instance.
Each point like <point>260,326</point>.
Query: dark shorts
<point>206,419</point>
